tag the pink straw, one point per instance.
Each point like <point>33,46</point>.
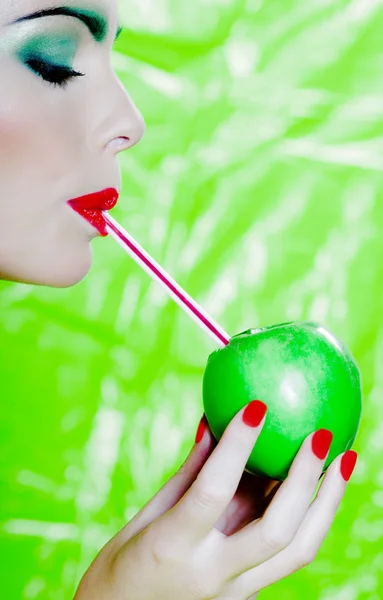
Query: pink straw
<point>157,273</point>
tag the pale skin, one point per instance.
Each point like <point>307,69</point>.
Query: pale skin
<point>213,531</point>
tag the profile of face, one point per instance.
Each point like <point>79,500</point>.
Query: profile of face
<point>64,117</point>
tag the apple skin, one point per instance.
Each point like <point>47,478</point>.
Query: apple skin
<point>306,376</point>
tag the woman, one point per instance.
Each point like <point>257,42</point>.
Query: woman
<point>213,531</point>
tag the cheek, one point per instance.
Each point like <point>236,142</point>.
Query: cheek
<point>28,140</point>
<point>39,240</point>
<point>27,193</point>
<point>21,160</point>
<point>39,133</point>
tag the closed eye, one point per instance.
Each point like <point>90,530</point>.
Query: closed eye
<point>54,74</point>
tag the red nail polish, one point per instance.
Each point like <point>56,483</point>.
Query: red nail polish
<point>200,430</point>
<point>347,464</point>
<point>254,413</point>
<point>321,442</point>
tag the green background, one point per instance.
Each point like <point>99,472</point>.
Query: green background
<point>258,186</point>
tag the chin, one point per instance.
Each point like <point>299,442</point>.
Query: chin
<point>62,271</point>
<point>67,273</point>
<point>64,279</point>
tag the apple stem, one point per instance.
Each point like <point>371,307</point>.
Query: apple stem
<point>148,264</point>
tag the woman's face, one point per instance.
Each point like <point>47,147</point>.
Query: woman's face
<point>57,142</point>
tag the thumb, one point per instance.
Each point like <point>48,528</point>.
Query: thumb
<point>175,487</point>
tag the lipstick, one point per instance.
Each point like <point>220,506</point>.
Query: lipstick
<point>90,207</point>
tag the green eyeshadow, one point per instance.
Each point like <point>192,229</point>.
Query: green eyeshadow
<point>58,48</point>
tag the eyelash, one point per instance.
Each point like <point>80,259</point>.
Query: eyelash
<point>53,74</point>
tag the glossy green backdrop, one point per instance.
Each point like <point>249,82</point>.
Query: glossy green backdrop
<point>258,186</point>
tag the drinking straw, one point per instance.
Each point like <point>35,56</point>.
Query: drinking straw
<point>186,302</point>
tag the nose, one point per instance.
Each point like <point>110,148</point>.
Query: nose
<point>122,125</point>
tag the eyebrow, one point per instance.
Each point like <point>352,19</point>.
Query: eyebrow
<point>96,23</point>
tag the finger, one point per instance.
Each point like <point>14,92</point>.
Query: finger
<point>205,502</point>
<point>306,544</point>
<point>260,540</point>
<point>173,489</point>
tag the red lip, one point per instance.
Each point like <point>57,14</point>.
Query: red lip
<point>91,206</point>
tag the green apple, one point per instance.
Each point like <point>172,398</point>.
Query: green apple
<point>306,376</point>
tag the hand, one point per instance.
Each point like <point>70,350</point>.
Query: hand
<point>172,549</point>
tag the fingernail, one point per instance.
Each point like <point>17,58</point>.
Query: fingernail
<point>321,442</point>
<point>200,430</point>
<point>347,464</point>
<point>254,413</point>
